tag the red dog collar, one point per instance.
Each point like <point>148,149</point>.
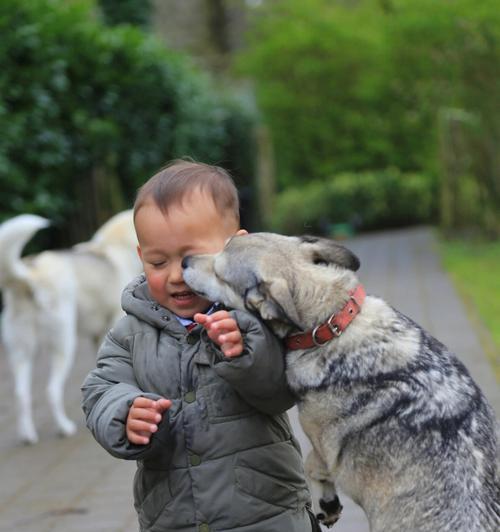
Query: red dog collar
<point>333,327</point>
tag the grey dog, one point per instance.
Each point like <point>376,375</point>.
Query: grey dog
<point>394,418</point>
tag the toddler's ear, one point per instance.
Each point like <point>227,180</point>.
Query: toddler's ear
<point>242,232</point>
<point>139,252</point>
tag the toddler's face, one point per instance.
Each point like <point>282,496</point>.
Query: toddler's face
<point>193,227</point>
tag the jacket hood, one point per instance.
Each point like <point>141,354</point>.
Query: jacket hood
<point>137,301</point>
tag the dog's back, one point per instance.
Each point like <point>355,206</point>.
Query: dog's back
<point>441,432</point>
<point>108,260</point>
<point>86,279</point>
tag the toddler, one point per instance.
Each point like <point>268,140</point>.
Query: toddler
<point>195,393</point>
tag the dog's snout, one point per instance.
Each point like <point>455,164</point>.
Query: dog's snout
<point>185,262</point>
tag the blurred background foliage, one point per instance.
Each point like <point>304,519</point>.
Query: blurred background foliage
<point>365,114</point>
<point>135,12</point>
<point>367,200</point>
<point>88,112</point>
<point>362,86</point>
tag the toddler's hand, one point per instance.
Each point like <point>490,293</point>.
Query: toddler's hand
<point>143,418</point>
<point>223,330</point>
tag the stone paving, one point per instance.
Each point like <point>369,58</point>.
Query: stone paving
<point>72,485</point>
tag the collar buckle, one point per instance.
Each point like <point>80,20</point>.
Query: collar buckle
<point>334,328</point>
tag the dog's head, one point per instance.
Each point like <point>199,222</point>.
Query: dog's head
<point>291,282</point>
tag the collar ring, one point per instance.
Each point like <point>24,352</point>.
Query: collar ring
<point>316,342</point>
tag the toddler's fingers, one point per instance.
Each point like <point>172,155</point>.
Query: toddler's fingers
<point>200,318</point>
<point>139,426</point>
<point>143,402</point>
<point>226,324</point>
<point>162,405</point>
<point>146,414</point>
<point>231,350</point>
<point>138,438</point>
<point>233,337</point>
<point>219,315</point>
<point>216,336</point>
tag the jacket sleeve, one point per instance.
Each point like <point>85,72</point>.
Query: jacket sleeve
<point>108,392</point>
<point>258,374</point>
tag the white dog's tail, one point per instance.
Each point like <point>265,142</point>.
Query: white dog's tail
<point>14,235</point>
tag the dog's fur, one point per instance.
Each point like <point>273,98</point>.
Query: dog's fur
<point>394,418</point>
<point>50,297</point>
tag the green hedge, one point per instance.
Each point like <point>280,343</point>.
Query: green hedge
<point>354,86</point>
<point>368,200</point>
<point>136,12</point>
<point>88,112</point>
<point>329,92</point>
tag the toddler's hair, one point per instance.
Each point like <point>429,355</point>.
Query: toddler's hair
<point>172,183</point>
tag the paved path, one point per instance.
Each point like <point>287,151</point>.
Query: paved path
<point>71,485</point>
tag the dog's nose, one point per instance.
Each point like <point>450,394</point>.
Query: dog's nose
<point>185,262</point>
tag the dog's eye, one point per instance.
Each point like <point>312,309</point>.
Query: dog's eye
<point>318,261</point>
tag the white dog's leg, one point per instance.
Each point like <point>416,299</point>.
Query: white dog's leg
<point>324,486</point>
<point>18,334</point>
<point>61,364</point>
<point>62,351</point>
<point>22,370</point>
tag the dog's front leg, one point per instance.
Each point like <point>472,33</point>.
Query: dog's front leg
<point>328,502</point>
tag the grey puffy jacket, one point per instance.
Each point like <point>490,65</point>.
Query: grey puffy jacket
<point>224,458</point>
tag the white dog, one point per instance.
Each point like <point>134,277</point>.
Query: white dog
<point>50,297</point>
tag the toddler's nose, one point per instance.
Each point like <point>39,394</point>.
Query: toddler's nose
<point>185,262</point>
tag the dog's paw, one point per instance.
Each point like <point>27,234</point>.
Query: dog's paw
<point>67,428</point>
<point>27,433</point>
<point>28,439</point>
<point>331,511</point>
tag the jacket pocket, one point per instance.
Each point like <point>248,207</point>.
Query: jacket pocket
<point>225,404</point>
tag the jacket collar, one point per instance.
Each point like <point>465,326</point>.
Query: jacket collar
<point>137,301</point>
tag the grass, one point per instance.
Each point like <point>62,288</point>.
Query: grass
<point>474,267</point>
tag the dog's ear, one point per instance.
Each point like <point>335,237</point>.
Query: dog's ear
<point>257,299</point>
<point>270,299</point>
<point>327,251</point>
